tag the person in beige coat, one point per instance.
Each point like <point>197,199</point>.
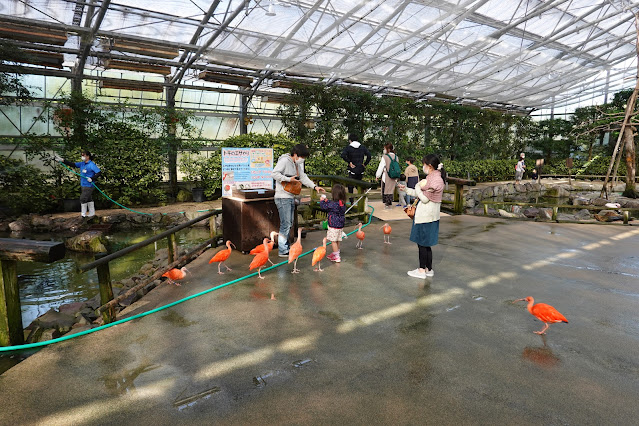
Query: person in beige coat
<point>388,183</point>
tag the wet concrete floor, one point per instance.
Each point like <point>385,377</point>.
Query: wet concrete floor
<point>363,343</point>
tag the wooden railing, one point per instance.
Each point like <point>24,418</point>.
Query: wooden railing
<point>108,302</point>
<point>11,251</point>
<point>458,198</point>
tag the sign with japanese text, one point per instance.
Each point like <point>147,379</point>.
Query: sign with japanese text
<point>246,168</point>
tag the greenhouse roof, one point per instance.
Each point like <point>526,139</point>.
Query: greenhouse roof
<point>519,54</point>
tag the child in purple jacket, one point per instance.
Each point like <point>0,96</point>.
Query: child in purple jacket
<point>336,210</point>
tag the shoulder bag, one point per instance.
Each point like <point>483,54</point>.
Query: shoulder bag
<point>294,187</point>
<point>410,210</point>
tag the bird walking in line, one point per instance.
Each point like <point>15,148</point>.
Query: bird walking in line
<point>221,257</point>
<point>360,237</point>
<point>387,231</point>
<point>295,250</point>
<point>260,259</point>
<point>318,255</point>
<point>175,274</point>
<point>260,247</point>
<point>544,313</point>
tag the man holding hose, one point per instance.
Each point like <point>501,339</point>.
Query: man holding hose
<point>89,172</point>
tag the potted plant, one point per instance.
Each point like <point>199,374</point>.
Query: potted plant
<point>192,168</point>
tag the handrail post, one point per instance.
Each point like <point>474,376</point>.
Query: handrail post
<point>361,204</point>
<point>555,212</point>
<point>626,217</point>
<point>213,228</point>
<point>173,248</point>
<point>11,331</point>
<point>458,207</point>
<point>106,290</point>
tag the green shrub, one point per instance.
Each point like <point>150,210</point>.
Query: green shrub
<point>24,188</point>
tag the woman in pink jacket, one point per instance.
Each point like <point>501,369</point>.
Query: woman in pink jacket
<point>425,230</point>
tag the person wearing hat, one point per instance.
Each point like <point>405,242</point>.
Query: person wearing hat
<point>520,168</point>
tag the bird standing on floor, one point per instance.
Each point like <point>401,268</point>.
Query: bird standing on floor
<point>260,259</point>
<point>175,274</point>
<point>360,237</point>
<point>387,231</point>
<point>318,255</point>
<point>544,313</point>
<point>221,257</point>
<point>295,251</point>
<point>260,247</point>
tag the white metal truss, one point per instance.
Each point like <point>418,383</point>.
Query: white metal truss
<point>523,54</point>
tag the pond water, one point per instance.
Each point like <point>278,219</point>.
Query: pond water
<point>48,285</point>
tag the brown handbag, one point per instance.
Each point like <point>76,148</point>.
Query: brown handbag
<point>410,210</point>
<point>294,187</point>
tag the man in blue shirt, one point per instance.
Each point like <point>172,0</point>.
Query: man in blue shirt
<point>89,172</point>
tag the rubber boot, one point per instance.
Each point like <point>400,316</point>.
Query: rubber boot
<point>91,209</point>
<point>84,209</point>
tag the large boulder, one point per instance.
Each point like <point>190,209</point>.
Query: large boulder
<point>629,203</point>
<point>114,218</point>
<point>504,213</point>
<point>520,187</point>
<point>558,191</point>
<point>89,241</point>
<point>600,201</point>
<point>20,225</point>
<point>41,222</point>
<point>531,212</point>
<point>580,201</point>
<point>61,321</point>
<point>583,214</point>
<point>192,214</point>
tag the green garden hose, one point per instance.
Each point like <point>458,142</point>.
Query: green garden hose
<point>161,308</point>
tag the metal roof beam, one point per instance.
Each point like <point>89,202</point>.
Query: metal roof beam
<point>296,28</point>
<point>87,41</point>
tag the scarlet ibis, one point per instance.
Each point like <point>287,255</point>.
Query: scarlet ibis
<point>260,247</point>
<point>175,274</point>
<point>360,236</point>
<point>260,259</point>
<point>544,313</point>
<point>318,255</point>
<point>387,230</point>
<point>295,251</point>
<point>221,257</point>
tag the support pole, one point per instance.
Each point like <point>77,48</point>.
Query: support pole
<point>106,291</point>
<point>173,248</point>
<point>11,331</point>
<point>458,207</point>
<point>243,114</point>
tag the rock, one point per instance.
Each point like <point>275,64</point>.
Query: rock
<point>192,214</point>
<point>129,300</point>
<point>128,283</point>
<point>19,225</point>
<point>498,191</point>
<point>4,226</point>
<point>114,218</point>
<point>80,329</point>
<point>156,218</point>
<point>520,187</point>
<point>35,334</point>
<point>566,217</point>
<point>479,211</point>
<point>41,222</point>
<point>55,319</point>
<point>504,213</point>
<point>139,218</point>
<point>88,313</point>
<point>487,193</point>
<point>183,196</point>
<point>477,195</point>
<point>89,241</point>
<point>558,191</point>
<point>545,214</point>
<point>629,203</point>
<point>580,201</point>
<point>71,308</point>
<point>50,334</point>
<point>492,212</point>
<point>600,202</point>
<point>583,214</point>
<point>531,212</point>
<point>470,203</point>
<point>147,269</point>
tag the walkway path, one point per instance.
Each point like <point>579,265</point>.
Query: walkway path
<point>362,343</point>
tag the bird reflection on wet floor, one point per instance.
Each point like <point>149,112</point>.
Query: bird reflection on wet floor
<point>541,355</point>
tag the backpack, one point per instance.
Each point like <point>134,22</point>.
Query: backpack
<point>394,171</point>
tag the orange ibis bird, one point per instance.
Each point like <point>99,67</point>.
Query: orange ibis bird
<point>387,231</point>
<point>221,257</point>
<point>318,255</point>
<point>544,313</point>
<point>360,236</point>
<point>295,250</point>
<point>175,274</point>
<point>260,259</point>
<point>260,247</point>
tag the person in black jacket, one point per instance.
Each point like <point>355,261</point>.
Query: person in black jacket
<point>357,156</point>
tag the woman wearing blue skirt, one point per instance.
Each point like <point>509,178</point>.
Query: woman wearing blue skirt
<point>425,230</point>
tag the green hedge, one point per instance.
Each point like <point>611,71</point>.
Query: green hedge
<point>24,188</point>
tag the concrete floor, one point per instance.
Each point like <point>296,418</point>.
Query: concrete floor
<point>363,343</point>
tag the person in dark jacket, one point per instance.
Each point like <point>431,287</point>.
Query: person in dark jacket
<point>336,210</point>
<point>357,156</point>
<point>89,173</point>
